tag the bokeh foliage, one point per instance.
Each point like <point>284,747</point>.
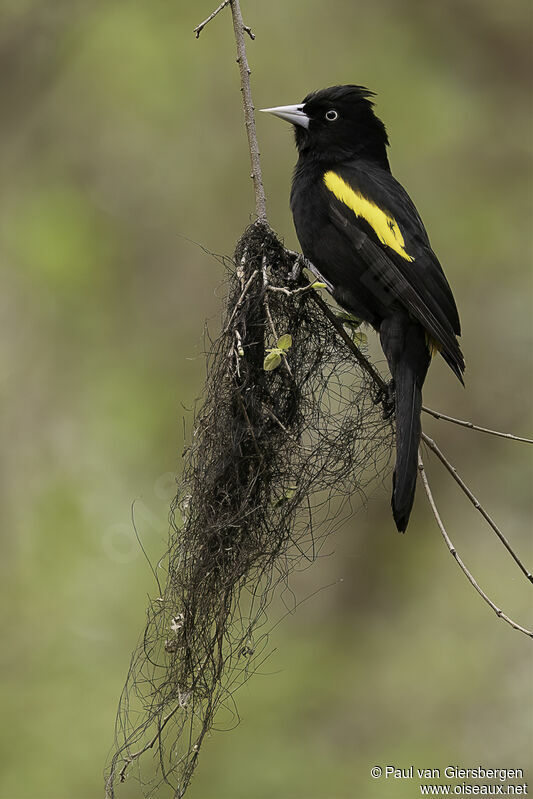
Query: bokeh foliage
<point>121,144</point>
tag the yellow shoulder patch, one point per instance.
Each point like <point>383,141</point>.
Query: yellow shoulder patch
<point>385,226</point>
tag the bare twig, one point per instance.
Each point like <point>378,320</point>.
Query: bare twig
<point>199,28</point>
<point>457,557</point>
<point>241,298</point>
<point>292,292</point>
<point>471,426</point>
<point>248,106</point>
<point>249,119</point>
<point>475,502</point>
<point>267,305</point>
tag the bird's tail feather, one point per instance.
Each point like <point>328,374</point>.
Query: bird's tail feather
<point>408,379</point>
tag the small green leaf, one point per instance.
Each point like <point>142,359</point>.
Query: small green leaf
<point>349,320</point>
<point>288,495</point>
<point>285,342</point>
<point>360,338</point>
<point>318,285</point>
<point>272,361</point>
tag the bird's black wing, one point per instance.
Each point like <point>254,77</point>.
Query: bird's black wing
<point>377,215</point>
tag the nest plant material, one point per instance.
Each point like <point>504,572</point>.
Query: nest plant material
<point>288,435</point>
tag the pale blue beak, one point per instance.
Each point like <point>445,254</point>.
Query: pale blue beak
<point>291,113</point>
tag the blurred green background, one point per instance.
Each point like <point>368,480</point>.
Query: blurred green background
<point>121,144</point>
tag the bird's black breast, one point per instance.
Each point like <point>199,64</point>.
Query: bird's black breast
<point>308,207</point>
<point>332,253</point>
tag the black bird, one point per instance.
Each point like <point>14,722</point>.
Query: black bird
<point>361,231</point>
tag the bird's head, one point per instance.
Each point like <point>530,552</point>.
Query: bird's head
<point>337,123</point>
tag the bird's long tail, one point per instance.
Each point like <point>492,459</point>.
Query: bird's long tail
<point>408,408</point>
<point>409,375</point>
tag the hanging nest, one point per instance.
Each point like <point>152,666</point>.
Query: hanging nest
<point>289,434</point>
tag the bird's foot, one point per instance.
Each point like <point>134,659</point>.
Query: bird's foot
<point>297,269</point>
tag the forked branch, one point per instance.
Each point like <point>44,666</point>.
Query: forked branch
<point>458,558</point>
<point>199,28</point>
<point>475,502</point>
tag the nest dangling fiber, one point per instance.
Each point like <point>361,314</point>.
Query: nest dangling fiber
<point>276,454</point>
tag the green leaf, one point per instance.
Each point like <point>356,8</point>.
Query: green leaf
<point>285,342</point>
<point>360,338</point>
<point>272,361</point>
<point>288,495</point>
<point>349,320</point>
<point>318,285</point>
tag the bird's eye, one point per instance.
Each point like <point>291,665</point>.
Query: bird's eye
<point>332,115</point>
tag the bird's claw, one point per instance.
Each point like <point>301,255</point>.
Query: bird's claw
<point>297,269</point>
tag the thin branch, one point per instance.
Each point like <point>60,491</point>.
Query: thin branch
<point>248,107</point>
<point>241,298</point>
<point>471,426</point>
<point>457,557</point>
<point>354,349</point>
<point>291,292</point>
<point>475,502</point>
<point>267,305</point>
<point>199,28</point>
<point>240,29</point>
